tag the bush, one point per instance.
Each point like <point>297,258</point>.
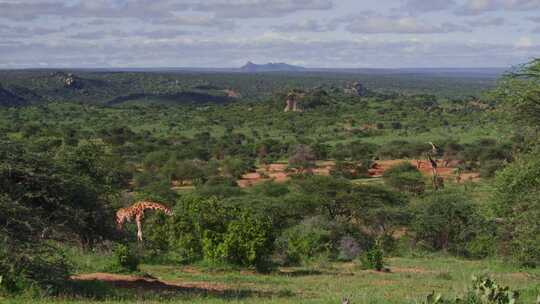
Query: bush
<point>349,170</point>
<point>348,249</point>
<point>405,177</point>
<point>447,220</point>
<point>25,266</point>
<point>304,241</point>
<point>220,232</point>
<point>403,149</point>
<point>517,204</point>
<point>126,258</point>
<point>490,167</point>
<point>373,259</point>
<point>483,291</point>
<point>247,242</point>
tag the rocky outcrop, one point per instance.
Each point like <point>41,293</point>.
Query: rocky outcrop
<point>69,80</point>
<point>356,88</point>
<point>292,103</point>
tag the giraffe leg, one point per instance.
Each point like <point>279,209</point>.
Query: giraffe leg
<point>138,219</point>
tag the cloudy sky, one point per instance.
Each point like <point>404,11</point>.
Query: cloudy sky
<point>227,33</point>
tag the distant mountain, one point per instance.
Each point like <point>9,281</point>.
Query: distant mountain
<point>8,99</point>
<point>251,67</point>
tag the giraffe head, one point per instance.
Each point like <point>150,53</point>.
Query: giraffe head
<point>122,215</point>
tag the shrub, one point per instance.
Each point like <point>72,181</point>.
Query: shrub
<point>405,177</point>
<point>348,249</point>
<point>350,170</point>
<point>220,232</point>
<point>302,242</point>
<point>490,167</point>
<point>24,266</point>
<point>271,189</point>
<point>126,258</point>
<point>373,259</point>
<point>447,220</point>
<point>483,291</point>
<point>248,242</point>
<point>402,149</point>
<point>517,203</point>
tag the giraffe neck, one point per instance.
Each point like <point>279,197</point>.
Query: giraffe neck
<point>153,206</point>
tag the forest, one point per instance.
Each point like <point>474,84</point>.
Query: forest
<point>375,188</point>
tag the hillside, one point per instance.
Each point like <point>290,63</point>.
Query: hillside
<point>188,87</point>
<point>8,99</point>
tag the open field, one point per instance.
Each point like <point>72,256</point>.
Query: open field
<point>409,281</point>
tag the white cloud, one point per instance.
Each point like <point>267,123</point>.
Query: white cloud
<point>372,23</point>
<point>477,7</point>
<point>307,25</point>
<point>260,8</point>
<point>428,5</point>
<point>487,21</point>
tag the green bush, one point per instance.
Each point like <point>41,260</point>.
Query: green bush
<point>447,220</point>
<point>248,242</point>
<point>220,232</point>
<point>373,259</point>
<point>126,258</point>
<point>305,240</point>
<point>490,167</point>
<point>27,266</point>
<point>517,204</point>
<point>402,149</point>
<point>405,177</point>
<point>483,291</point>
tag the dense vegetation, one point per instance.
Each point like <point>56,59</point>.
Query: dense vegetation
<point>66,167</point>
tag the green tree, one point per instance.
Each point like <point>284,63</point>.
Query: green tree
<point>517,204</point>
<point>405,177</point>
<point>447,220</point>
<point>519,91</point>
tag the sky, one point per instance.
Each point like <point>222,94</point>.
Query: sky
<point>227,33</point>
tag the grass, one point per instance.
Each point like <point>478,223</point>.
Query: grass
<point>410,280</point>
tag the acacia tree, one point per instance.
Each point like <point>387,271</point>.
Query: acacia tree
<point>65,196</point>
<point>519,93</point>
<point>517,187</point>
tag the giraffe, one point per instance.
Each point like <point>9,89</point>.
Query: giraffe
<point>137,211</point>
<point>438,182</point>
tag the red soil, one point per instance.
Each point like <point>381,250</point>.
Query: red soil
<point>278,172</point>
<point>144,283</point>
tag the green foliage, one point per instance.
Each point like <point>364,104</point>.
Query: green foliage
<point>302,158</point>
<point>483,291</point>
<point>448,220</point>
<point>25,266</point>
<point>206,228</point>
<point>373,259</point>
<point>350,170</point>
<point>248,241</point>
<point>304,241</point>
<point>519,91</point>
<point>403,149</point>
<point>517,203</point>
<point>126,258</point>
<point>405,177</point>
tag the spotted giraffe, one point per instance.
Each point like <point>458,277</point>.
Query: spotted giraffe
<point>136,211</point>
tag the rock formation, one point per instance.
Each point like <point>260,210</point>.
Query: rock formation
<point>292,103</point>
<point>69,80</point>
<point>356,88</point>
